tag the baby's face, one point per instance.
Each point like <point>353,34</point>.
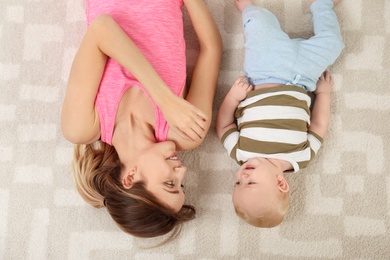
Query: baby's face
<point>256,186</point>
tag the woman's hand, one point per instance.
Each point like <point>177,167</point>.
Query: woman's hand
<point>185,119</point>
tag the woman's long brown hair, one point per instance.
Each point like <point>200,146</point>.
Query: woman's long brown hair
<point>97,170</point>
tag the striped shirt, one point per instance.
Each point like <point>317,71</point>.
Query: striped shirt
<point>274,123</point>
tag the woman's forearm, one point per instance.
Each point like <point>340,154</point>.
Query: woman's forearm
<point>205,74</point>
<point>116,44</point>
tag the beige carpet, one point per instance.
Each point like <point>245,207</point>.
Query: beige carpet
<point>340,204</point>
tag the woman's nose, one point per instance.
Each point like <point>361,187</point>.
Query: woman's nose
<point>182,170</point>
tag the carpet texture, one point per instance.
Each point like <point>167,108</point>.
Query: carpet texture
<point>340,204</point>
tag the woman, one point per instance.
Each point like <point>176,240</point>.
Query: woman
<point>124,108</point>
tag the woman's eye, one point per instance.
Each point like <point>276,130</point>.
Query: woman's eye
<point>237,183</point>
<point>181,185</point>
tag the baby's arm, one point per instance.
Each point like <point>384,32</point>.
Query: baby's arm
<point>321,109</point>
<point>225,117</point>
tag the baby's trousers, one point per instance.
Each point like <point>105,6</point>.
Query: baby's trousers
<point>272,57</point>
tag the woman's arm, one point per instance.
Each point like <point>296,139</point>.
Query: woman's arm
<point>80,123</point>
<point>79,119</point>
<point>205,74</point>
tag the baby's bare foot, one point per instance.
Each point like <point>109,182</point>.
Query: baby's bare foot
<point>242,4</point>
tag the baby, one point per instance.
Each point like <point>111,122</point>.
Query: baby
<point>265,122</point>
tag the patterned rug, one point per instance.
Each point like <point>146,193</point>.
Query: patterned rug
<point>340,204</point>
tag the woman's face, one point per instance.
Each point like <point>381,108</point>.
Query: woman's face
<point>161,171</point>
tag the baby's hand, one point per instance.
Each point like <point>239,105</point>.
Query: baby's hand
<point>324,84</point>
<point>240,89</point>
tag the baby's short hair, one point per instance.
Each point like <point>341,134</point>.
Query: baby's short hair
<point>272,217</point>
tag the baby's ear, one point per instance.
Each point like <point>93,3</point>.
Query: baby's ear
<point>282,184</point>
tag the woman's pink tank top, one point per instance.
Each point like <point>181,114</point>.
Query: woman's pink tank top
<point>156,27</point>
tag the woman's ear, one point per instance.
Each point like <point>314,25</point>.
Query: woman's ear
<point>283,184</point>
<point>129,178</point>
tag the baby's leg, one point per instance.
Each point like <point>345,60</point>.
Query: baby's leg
<point>321,50</point>
<point>325,20</point>
<point>326,29</point>
<point>242,4</point>
<point>268,49</point>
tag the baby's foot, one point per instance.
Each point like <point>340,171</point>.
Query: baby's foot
<point>241,4</point>
<point>324,83</point>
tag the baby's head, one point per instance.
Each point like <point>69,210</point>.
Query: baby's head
<point>260,194</point>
